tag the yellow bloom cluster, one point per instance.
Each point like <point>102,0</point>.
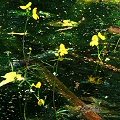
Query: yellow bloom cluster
<point>10,77</point>
<point>34,11</point>
<point>95,39</point>
<point>62,51</point>
<point>38,85</point>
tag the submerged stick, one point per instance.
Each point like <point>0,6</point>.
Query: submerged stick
<point>68,95</point>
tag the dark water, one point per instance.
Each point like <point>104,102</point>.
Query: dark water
<point>42,37</point>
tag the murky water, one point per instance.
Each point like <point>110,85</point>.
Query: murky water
<point>73,23</point>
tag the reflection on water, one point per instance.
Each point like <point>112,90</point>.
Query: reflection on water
<point>60,22</point>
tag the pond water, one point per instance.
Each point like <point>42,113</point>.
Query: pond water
<point>92,73</point>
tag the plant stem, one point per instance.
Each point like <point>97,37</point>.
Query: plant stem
<point>24,37</point>
<point>116,45</point>
<point>56,71</point>
<point>25,110</point>
<point>98,53</point>
<point>38,96</point>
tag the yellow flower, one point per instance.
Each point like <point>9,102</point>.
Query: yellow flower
<point>41,102</point>
<point>92,79</point>
<point>38,85</point>
<point>94,40</point>
<point>101,36</point>
<point>62,51</point>
<point>10,77</point>
<point>27,6</point>
<point>35,16</point>
<point>95,80</point>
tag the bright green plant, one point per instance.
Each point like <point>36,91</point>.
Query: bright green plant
<point>62,114</point>
<point>97,41</point>
<point>60,54</point>
<point>60,57</point>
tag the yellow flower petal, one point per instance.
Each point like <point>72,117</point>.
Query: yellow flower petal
<point>35,16</point>
<point>27,6</point>
<point>94,43</point>
<point>19,77</point>
<point>38,85</point>
<point>61,54</point>
<point>41,102</point>
<point>94,38</point>
<point>101,36</point>
<point>34,11</point>
<point>62,46</point>
<point>56,54</point>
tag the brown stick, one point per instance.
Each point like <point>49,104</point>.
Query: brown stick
<point>69,95</point>
<point>115,30</point>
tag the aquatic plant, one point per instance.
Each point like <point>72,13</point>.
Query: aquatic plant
<point>28,14</point>
<point>41,102</point>
<point>25,76</point>
<point>28,8</point>
<point>24,81</point>
<point>16,77</point>
<point>62,113</point>
<point>62,51</point>
<point>96,42</point>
